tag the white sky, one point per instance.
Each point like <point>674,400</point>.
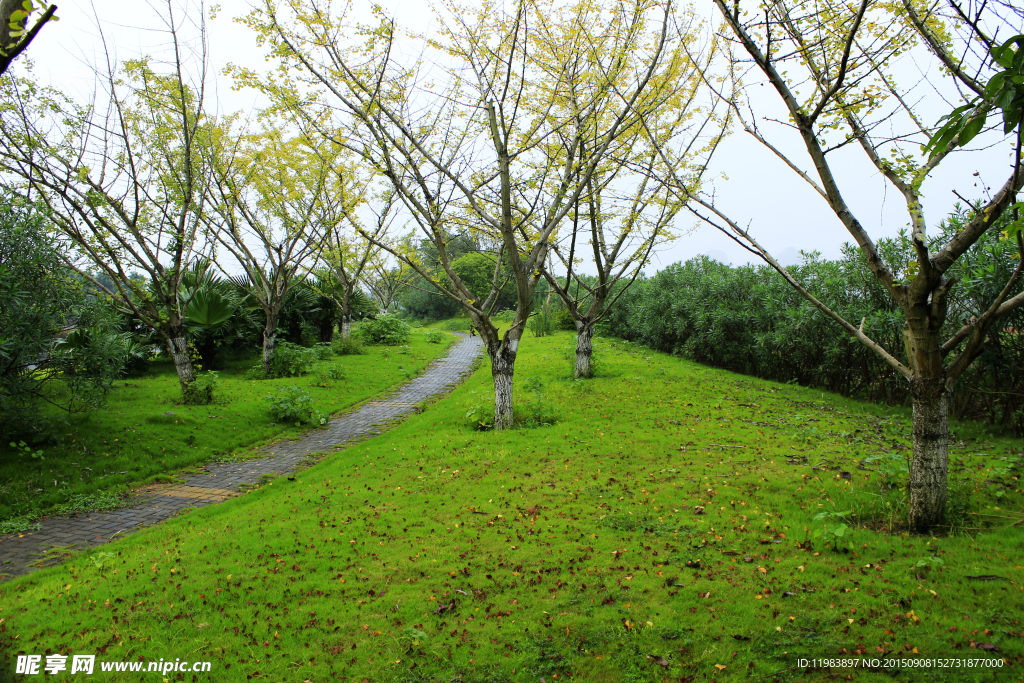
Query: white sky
<point>782,212</point>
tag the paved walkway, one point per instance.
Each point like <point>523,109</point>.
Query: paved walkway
<point>20,554</point>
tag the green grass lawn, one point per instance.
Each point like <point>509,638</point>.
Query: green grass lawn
<point>663,530</point>
<point>143,433</point>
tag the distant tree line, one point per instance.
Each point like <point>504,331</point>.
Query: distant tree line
<point>748,320</point>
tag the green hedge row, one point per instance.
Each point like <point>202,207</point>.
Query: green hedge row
<point>749,320</point>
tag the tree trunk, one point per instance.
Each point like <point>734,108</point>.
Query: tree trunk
<point>584,348</point>
<point>929,468</point>
<point>503,361</point>
<point>326,330</point>
<point>178,348</point>
<point>345,325</point>
<point>269,339</point>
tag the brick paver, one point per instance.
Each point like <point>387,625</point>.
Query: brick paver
<point>22,553</point>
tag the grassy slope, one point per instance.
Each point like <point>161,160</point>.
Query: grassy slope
<point>133,439</point>
<point>433,551</point>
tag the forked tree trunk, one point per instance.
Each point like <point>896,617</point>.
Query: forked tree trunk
<point>584,348</point>
<point>930,466</point>
<point>178,348</point>
<point>503,361</point>
<point>269,340</point>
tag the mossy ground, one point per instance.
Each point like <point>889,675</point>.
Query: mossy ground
<point>574,551</point>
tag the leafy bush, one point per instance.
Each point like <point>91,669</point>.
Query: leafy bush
<point>434,336</point>
<point>255,373</point>
<point>542,322</point>
<point>323,351</point>
<point>348,346</point>
<point>532,409</point>
<point>506,316</point>
<point>480,415</point>
<point>199,392</point>
<point>293,404</point>
<point>331,371</point>
<point>389,330</point>
<point>564,321</point>
<point>39,300</point>
<point>324,374</point>
<point>457,324</point>
<point>291,360</point>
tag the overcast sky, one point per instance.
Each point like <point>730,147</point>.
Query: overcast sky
<point>781,211</point>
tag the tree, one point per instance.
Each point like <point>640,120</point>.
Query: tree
<point>386,281</point>
<point>273,202</point>
<point>15,38</point>
<point>349,256</point>
<point>56,347</point>
<point>467,139</point>
<point>124,182</point>
<point>627,212</point>
<point>837,71</point>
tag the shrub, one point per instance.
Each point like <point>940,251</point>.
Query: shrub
<point>434,336</point>
<point>480,415</point>
<point>457,324</point>
<point>39,297</point>
<point>564,321</point>
<point>389,330</point>
<point>533,409</point>
<point>542,323</point>
<point>503,316</point>
<point>291,360</point>
<point>199,392</point>
<point>293,404</point>
<point>255,373</point>
<point>348,346</point>
<point>324,374</point>
<point>323,351</point>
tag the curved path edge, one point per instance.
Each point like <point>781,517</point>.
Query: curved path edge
<point>59,536</point>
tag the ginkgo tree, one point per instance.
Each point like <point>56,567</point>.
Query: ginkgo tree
<point>351,252</point>
<point>479,135</point>
<point>627,211</point>
<point>123,178</point>
<point>274,201</point>
<point>842,73</point>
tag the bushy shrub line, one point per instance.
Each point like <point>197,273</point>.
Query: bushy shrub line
<point>747,319</point>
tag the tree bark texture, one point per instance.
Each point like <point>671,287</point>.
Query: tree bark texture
<point>503,360</point>
<point>929,389</point>
<point>178,348</point>
<point>929,468</point>
<point>345,325</point>
<point>269,340</point>
<point>584,348</point>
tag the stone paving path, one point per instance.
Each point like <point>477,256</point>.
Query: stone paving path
<point>21,554</point>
